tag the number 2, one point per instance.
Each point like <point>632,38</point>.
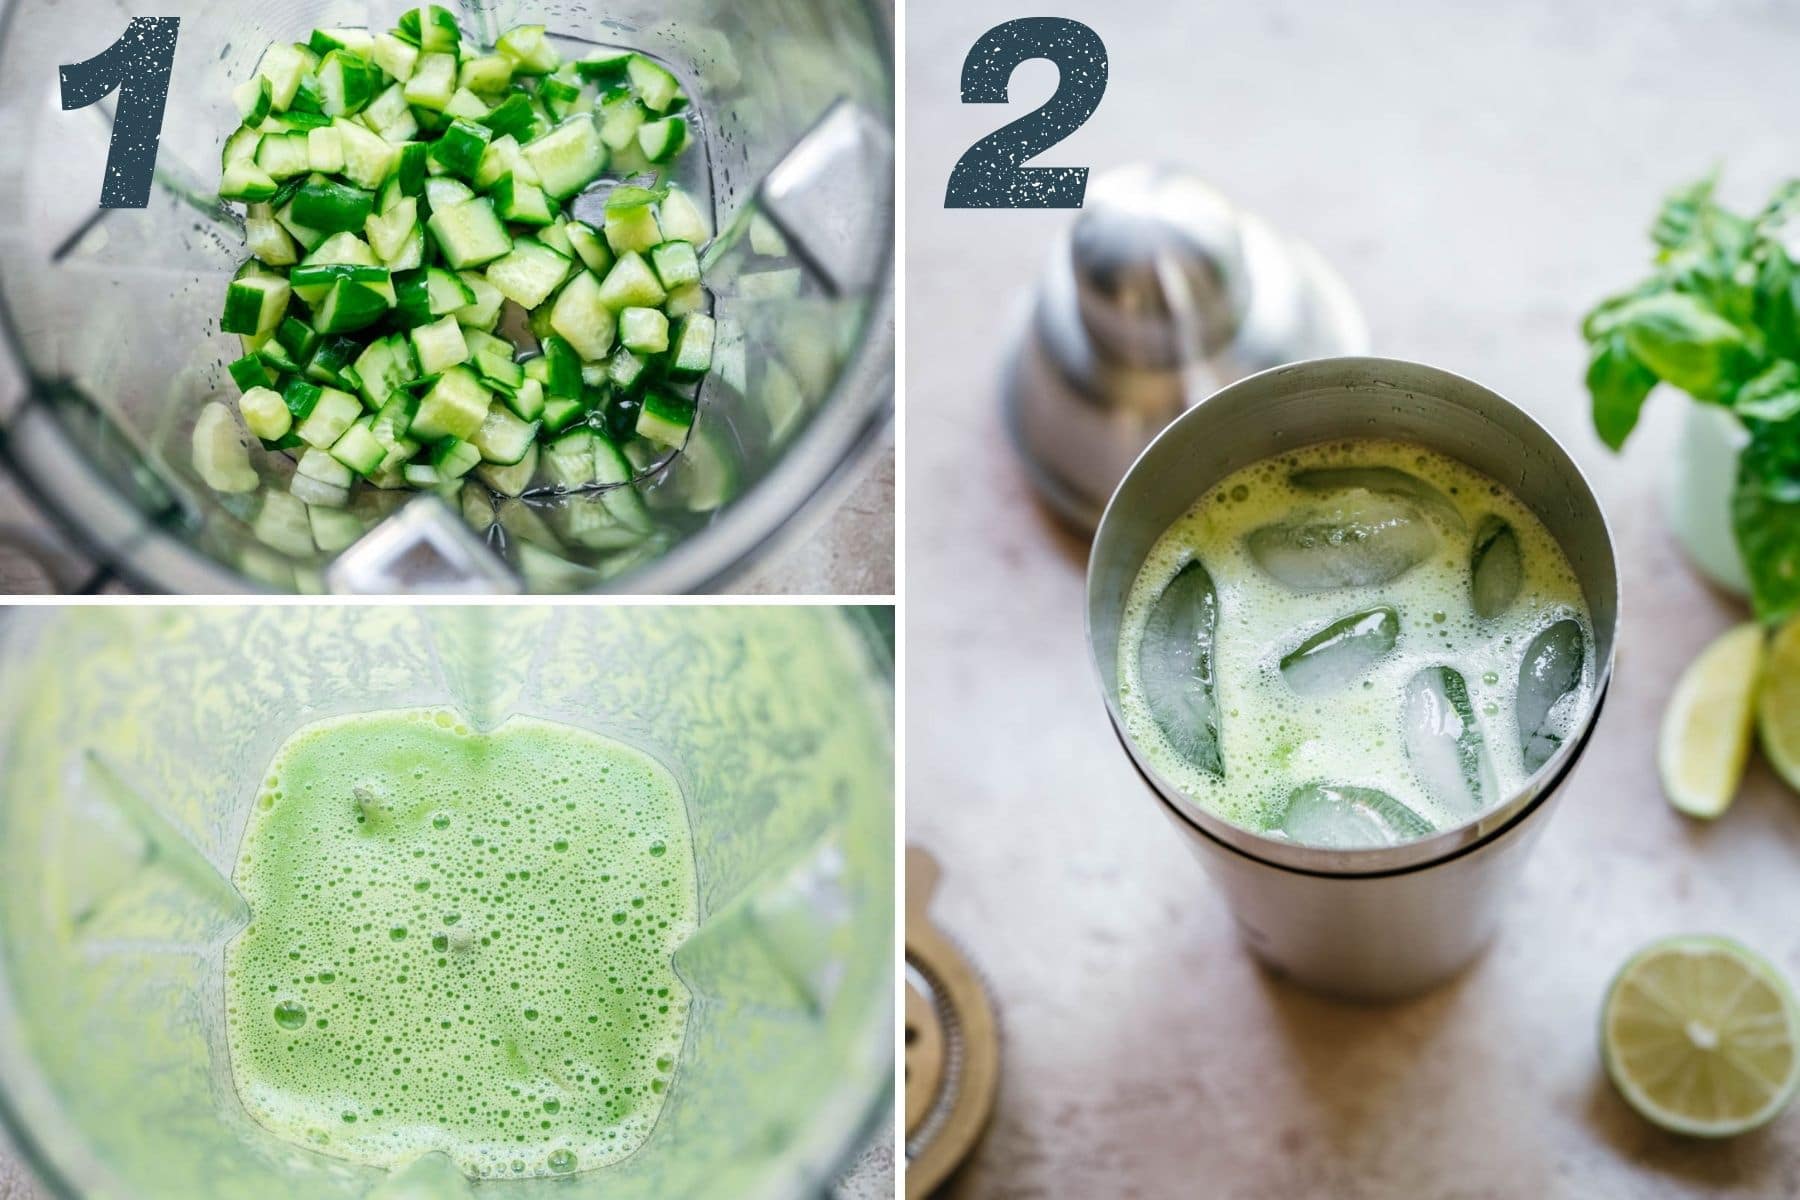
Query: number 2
<point>991,174</point>
<point>138,66</point>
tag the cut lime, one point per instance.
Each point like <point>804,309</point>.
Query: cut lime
<point>1778,704</point>
<point>1702,1036</point>
<point>1706,728</point>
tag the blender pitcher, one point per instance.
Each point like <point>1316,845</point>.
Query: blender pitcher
<point>133,743</point>
<point>111,317</point>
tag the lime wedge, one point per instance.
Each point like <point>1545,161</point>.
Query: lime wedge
<point>1706,728</point>
<point>1702,1036</point>
<point>1778,704</point>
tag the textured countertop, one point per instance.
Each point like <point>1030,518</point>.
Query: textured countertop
<point>1479,180</point>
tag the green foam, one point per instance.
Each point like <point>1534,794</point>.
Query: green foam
<point>461,941</point>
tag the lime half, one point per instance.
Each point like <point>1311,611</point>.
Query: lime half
<point>1702,1036</point>
<point>1706,729</point>
<point>1778,704</point>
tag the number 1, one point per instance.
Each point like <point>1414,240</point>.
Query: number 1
<point>138,66</point>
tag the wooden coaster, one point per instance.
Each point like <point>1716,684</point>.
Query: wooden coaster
<point>952,1043</point>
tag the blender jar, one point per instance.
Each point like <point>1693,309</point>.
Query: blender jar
<point>111,317</point>
<point>132,746</point>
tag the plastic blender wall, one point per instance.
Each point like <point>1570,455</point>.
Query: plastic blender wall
<point>132,743</point>
<point>116,320</point>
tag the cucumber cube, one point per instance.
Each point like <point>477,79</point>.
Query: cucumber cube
<point>484,312</point>
<point>591,247</point>
<point>469,233</point>
<point>488,73</point>
<point>625,369</point>
<point>349,306</point>
<point>620,120</point>
<point>631,284</point>
<point>281,524</point>
<point>332,413</point>
<point>358,450</point>
<point>255,304</point>
<point>325,150</point>
<point>676,264</point>
<point>347,82</point>
<point>527,400</point>
<point>244,180</point>
<point>569,157</point>
<point>454,458</point>
<point>528,273</point>
<point>265,414</point>
<point>454,407</point>
<point>390,116</point>
<point>562,411</point>
<point>633,228</point>
<point>269,242</point>
<point>522,203</point>
<point>332,207</point>
<point>433,82</point>
<point>665,419</point>
<point>690,298</point>
<point>663,140</point>
<point>466,105</point>
<point>693,345</point>
<point>682,219</point>
<point>394,56</point>
<point>461,147</point>
<point>644,330</point>
<point>333,528</point>
<point>516,117</point>
<point>656,87</point>
<point>283,155</point>
<point>282,65</point>
<point>390,232</point>
<point>320,466</point>
<point>368,157</point>
<point>249,372</point>
<point>503,438</point>
<point>583,319</point>
<point>529,50</point>
<point>439,346</point>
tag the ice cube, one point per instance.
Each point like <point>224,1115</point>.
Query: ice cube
<point>1550,670</point>
<point>1341,652</point>
<point>1361,538</point>
<point>1175,667</point>
<point>1496,568</point>
<point>1444,743</point>
<point>1385,481</point>
<point>1338,817</point>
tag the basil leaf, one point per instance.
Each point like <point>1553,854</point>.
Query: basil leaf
<point>1685,343</point>
<point>1619,384</point>
<point>1773,396</point>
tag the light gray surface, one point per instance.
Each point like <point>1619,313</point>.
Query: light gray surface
<point>1479,179</point>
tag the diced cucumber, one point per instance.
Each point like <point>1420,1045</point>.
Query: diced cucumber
<point>620,119</point>
<point>358,449</point>
<point>568,462</point>
<point>244,180</point>
<point>333,529</point>
<point>394,56</point>
<point>569,157</point>
<point>515,117</point>
<point>368,157</point>
<point>631,284</point>
<point>765,239</point>
<point>529,50</point>
<point>422,475</point>
<point>432,83</point>
<point>665,419</point>
<point>467,106</point>
<point>604,67</point>
<point>693,346</point>
<point>676,264</point>
<point>282,525</point>
<point>582,317</point>
<point>690,298</point>
<point>250,372</point>
<point>633,229</point>
<point>510,481</point>
<point>431,27</point>
<point>528,273</point>
<point>283,155</point>
<point>644,330</point>
<point>332,207</point>
<point>349,306</point>
<point>484,312</point>
<point>443,192</point>
<point>390,116</point>
<point>663,140</point>
<point>526,400</point>
<point>655,86</point>
<point>255,303</point>
<point>282,65</point>
<point>503,159</point>
<point>347,82</point>
<point>454,407</point>
<point>591,247</point>
<point>380,371</point>
<point>220,457</point>
<point>624,503</point>
<point>561,412</point>
<point>522,203</point>
<point>503,438</point>
<point>332,413</point>
<point>454,458</point>
<point>625,368</point>
<point>439,346</point>
<point>486,73</point>
<point>469,234</point>
<point>359,42</point>
<point>389,232</point>
<point>272,245</point>
<point>254,98</point>
<point>682,220</point>
<point>325,150</point>
<point>460,148</point>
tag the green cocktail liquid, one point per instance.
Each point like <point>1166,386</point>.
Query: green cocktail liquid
<point>461,941</point>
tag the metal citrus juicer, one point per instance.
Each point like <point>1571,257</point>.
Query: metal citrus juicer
<point>109,341</point>
<point>1162,292</point>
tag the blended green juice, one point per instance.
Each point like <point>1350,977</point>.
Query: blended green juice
<point>1354,644</point>
<point>461,941</point>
